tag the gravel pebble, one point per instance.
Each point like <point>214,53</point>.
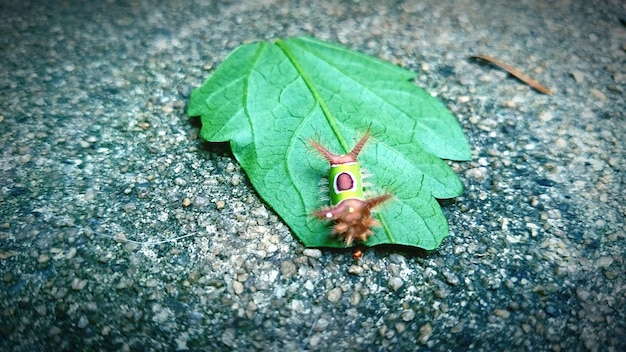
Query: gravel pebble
<point>315,340</point>
<point>228,338</point>
<point>451,278</point>
<point>425,332</point>
<point>237,287</point>
<point>578,76</point>
<point>395,283</point>
<point>355,270</point>
<point>355,298</point>
<point>321,324</point>
<point>408,315</point>
<point>71,253</point>
<point>83,322</point>
<point>502,313</point>
<point>598,94</point>
<point>312,253</point>
<point>288,269</point>
<point>78,284</point>
<point>604,262</point>
<point>334,295</point>
<point>582,294</point>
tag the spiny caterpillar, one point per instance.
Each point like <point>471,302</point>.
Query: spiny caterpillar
<point>350,211</point>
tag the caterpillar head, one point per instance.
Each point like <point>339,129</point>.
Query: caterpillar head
<point>353,218</point>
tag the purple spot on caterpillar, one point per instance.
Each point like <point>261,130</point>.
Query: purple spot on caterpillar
<point>344,182</point>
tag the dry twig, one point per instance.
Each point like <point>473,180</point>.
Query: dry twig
<point>516,72</point>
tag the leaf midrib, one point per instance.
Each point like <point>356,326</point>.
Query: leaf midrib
<point>332,121</point>
<point>365,84</point>
<point>329,118</point>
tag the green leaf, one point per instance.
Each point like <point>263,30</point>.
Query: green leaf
<point>269,99</point>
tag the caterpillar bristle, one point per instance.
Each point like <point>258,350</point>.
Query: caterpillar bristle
<point>322,199</point>
<point>369,193</point>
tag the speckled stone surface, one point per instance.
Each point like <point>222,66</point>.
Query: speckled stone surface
<point>121,230</point>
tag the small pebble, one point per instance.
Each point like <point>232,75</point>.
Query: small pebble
<point>397,258</point>
<point>7,254</point>
<point>611,275</point>
<point>395,283</point>
<point>315,340</point>
<point>271,248</point>
<point>334,295</point>
<point>540,290</point>
<point>604,262</point>
<point>235,180</point>
<point>598,94</point>
<point>7,277</point>
<point>553,311</point>
<point>78,284</point>
<point>71,253</point>
<point>578,76</point>
<point>408,315</point>
<point>55,330</point>
<point>451,278</point>
<point>355,270</point>
<point>355,298</point>
<point>582,294</point>
<point>321,324</point>
<point>463,99</point>
<point>260,212</point>
<point>426,331</point>
<point>502,313</point>
<point>60,293</point>
<point>287,268</point>
<point>477,173</point>
<point>312,253</point>
<point>237,287</point>
<point>228,338</point>
<point>82,322</point>
<point>561,143</point>
<point>546,116</point>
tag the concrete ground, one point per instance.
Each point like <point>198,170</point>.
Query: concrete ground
<point>121,230</point>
